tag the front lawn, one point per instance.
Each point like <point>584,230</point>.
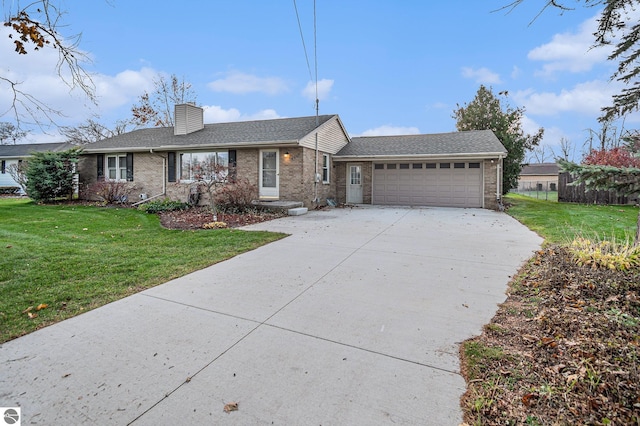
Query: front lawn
<point>68,259</point>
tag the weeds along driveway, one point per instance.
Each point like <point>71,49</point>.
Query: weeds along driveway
<point>355,318</point>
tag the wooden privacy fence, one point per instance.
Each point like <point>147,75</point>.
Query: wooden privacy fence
<point>578,194</point>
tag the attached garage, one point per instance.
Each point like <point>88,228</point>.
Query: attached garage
<point>459,169</point>
<point>446,184</point>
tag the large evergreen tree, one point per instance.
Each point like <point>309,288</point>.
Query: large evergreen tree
<point>50,174</point>
<point>486,112</point>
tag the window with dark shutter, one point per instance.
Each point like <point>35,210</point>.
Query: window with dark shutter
<point>129,167</point>
<point>171,166</point>
<point>100,164</point>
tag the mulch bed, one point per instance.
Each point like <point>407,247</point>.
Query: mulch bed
<point>567,341</point>
<point>197,217</point>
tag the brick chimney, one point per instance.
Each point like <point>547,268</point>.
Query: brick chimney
<point>188,118</point>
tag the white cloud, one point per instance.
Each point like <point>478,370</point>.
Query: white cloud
<point>388,130</point>
<point>324,87</point>
<point>515,73</point>
<point>124,87</point>
<point>481,75</point>
<point>586,98</point>
<point>241,83</point>
<point>37,75</point>
<point>217,114</point>
<point>570,51</point>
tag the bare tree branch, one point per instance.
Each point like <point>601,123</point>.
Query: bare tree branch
<point>35,27</point>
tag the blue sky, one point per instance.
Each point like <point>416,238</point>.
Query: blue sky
<point>386,67</point>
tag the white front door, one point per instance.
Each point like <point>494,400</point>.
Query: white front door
<point>269,173</point>
<point>354,184</point>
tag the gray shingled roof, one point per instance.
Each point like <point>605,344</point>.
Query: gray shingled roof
<point>439,144</point>
<point>550,169</point>
<point>213,135</point>
<point>25,149</point>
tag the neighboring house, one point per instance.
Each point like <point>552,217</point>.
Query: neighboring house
<point>295,159</point>
<point>539,177</point>
<point>15,154</point>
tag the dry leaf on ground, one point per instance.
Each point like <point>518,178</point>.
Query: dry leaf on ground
<point>232,406</point>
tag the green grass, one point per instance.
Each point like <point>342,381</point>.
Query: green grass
<point>561,223</point>
<point>76,258</point>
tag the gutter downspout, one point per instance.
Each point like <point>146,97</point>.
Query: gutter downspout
<point>315,172</point>
<point>498,182</point>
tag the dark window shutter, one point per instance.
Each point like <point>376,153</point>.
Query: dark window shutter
<point>4,166</point>
<point>129,167</point>
<point>233,164</point>
<point>100,163</point>
<point>171,166</point>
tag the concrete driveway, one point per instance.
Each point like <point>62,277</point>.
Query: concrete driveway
<point>356,318</point>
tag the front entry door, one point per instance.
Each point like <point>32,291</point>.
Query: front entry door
<point>354,184</point>
<point>269,173</point>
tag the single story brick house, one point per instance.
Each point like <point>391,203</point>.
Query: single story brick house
<point>304,159</point>
<point>15,154</point>
<point>539,177</point>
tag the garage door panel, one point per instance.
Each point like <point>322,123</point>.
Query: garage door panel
<point>428,186</point>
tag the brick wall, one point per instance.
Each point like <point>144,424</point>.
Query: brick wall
<point>341,173</point>
<point>490,168</point>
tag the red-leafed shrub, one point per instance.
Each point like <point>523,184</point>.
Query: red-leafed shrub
<point>110,192</point>
<point>616,157</point>
<point>236,197</point>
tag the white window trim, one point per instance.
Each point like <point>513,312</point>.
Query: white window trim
<point>326,167</point>
<point>106,167</point>
<point>179,162</point>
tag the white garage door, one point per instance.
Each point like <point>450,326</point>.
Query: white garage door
<point>445,184</point>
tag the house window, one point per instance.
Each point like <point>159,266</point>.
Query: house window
<point>201,165</point>
<point>326,161</point>
<point>474,165</point>
<point>404,165</point>
<point>458,165</point>
<point>445,165</point>
<point>117,167</point>
<point>430,166</point>
<point>391,166</point>
<point>378,166</point>
<point>417,165</point>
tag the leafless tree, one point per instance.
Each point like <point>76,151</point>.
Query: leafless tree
<point>92,131</point>
<point>540,154</point>
<point>566,150</point>
<point>33,27</point>
<point>156,108</point>
<point>10,133</point>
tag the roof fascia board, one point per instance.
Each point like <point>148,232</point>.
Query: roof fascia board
<point>194,147</point>
<point>480,156</point>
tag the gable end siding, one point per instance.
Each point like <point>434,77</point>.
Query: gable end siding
<point>331,138</point>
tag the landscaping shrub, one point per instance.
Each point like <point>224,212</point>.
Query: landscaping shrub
<point>110,192</point>
<point>50,174</point>
<point>605,254</point>
<point>164,205</point>
<point>236,197</point>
